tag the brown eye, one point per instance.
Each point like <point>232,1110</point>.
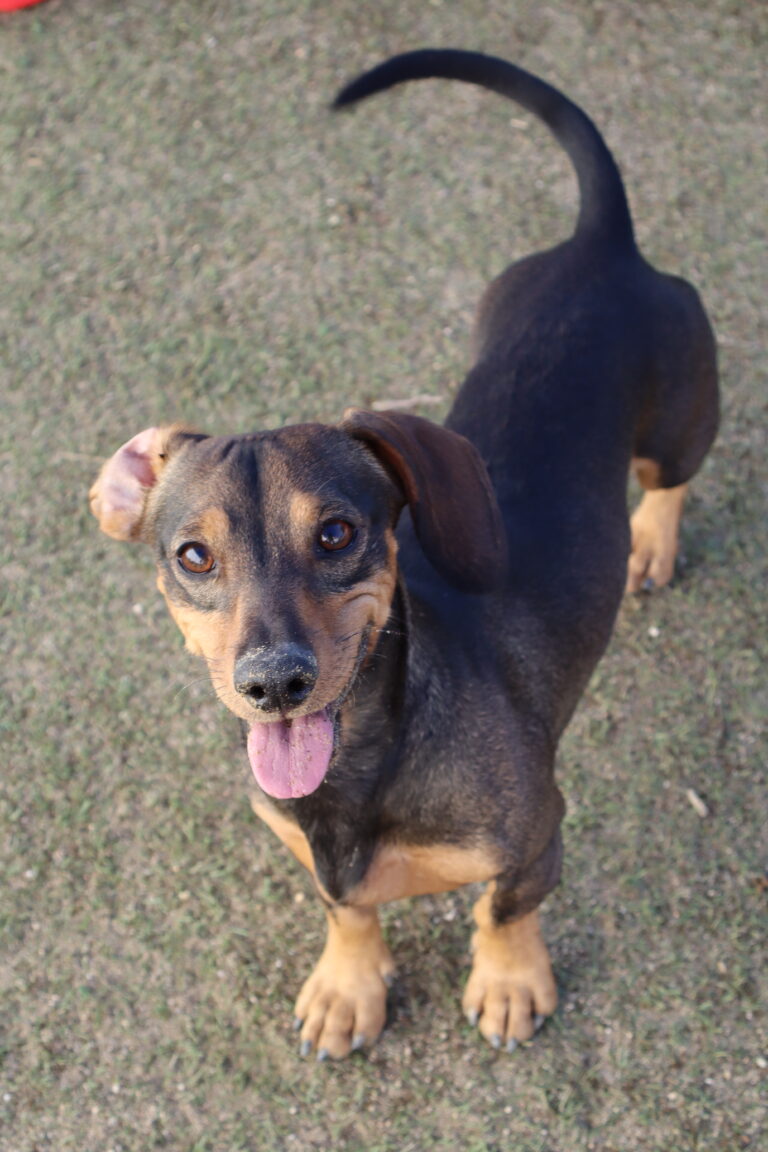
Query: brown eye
<point>195,558</point>
<point>335,535</point>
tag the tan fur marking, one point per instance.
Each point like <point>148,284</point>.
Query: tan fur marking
<point>511,983</point>
<point>303,511</point>
<point>655,527</point>
<point>400,871</point>
<point>387,584</point>
<point>201,631</point>
<point>214,526</point>
<point>647,471</point>
<point>207,634</point>
<point>287,831</point>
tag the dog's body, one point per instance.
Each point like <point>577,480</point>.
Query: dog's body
<point>406,691</point>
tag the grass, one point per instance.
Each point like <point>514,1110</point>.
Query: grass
<point>187,232</point>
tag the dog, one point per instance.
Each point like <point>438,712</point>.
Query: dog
<point>404,615</point>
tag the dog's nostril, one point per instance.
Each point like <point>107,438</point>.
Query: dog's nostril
<point>297,688</point>
<point>257,692</point>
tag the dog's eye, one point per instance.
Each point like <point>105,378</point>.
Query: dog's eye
<point>335,535</point>
<point>195,558</point>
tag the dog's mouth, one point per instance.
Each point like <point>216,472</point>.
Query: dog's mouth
<point>291,758</point>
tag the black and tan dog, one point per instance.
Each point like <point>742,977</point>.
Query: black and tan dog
<point>405,615</point>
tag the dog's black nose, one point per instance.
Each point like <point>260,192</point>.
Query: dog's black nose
<point>278,678</point>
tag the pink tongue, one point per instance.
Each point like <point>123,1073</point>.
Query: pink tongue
<point>291,759</point>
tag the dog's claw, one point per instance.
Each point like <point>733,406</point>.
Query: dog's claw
<point>649,584</point>
<point>322,1055</point>
<point>306,1047</point>
<point>538,1022</point>
<point>511,1045</point>
<point>296,1024</point>
<point>473,1017</point>
<point>495,1041</point>
<point>358,1042</point>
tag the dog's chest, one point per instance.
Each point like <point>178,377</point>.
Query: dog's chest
<point>395,872</point>
<point>398,871</point>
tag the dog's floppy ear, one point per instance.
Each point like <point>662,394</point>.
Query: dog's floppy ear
<point>447,487</point>
<point>119,496</point>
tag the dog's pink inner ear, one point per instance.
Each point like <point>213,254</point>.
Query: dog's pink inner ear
<point>119,495</point>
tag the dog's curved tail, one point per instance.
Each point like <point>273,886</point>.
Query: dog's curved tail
<point>604,211</point>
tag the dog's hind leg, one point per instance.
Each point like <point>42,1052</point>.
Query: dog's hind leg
<point>655,528</point>
<point>676,424</point>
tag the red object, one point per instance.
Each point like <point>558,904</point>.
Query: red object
<point>12,5</point>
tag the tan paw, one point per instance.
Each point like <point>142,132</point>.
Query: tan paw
<point>342,1006</point>
<point>511,988</point>
<point>655,526</point>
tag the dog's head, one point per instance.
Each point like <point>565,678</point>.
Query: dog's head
<point>277,557</point>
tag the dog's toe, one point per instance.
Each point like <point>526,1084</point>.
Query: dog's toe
<point>507,1016</point>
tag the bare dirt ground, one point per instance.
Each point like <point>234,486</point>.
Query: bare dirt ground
<point>186,232</point>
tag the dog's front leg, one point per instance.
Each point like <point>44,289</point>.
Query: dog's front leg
<point>342,1006</point>
<point>511,987</point>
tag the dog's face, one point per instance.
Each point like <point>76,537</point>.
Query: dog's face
<point>276,555</point>
<point>275,549</point>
